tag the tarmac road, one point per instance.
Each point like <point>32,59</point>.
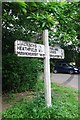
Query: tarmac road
<point>70,80</point>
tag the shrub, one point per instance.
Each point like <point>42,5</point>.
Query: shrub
<point>19,74</point>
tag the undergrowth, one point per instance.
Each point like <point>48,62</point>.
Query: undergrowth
<point>64,105</point>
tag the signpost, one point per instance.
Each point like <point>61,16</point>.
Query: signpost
<point>28,49</point>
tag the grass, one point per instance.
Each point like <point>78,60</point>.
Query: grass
<point>64,105</point>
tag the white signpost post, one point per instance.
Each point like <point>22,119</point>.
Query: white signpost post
<point>28,49</point>
<point>47,82</point>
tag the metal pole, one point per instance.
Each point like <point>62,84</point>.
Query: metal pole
<point>47,83</point>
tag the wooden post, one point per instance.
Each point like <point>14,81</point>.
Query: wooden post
<point>47,83</point>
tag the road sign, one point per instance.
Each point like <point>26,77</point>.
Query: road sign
<point>56,52</point>
<point>28,49</point>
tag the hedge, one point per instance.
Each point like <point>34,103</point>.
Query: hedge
<point>19,74</point>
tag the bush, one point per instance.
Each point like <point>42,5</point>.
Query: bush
<point>19,74</point>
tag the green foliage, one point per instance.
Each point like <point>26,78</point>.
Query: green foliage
<point>19,74</point>
<point>64,105</point>
<point>20,20</point>
<point>44,15</point>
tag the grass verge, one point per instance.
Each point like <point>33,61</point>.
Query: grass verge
<point>64,105</point>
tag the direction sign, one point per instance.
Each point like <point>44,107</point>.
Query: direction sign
<point>56,52</point>
<point>28,49</point>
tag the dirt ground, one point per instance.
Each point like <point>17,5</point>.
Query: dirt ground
<point>10,100</point>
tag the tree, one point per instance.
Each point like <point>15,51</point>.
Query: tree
<point>66,29</point>
<point>27,20</point>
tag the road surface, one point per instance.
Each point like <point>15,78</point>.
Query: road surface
<point>70,80</point>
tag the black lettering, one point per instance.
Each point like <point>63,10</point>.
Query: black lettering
<point>56,49</point>
<point>18,47</point>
